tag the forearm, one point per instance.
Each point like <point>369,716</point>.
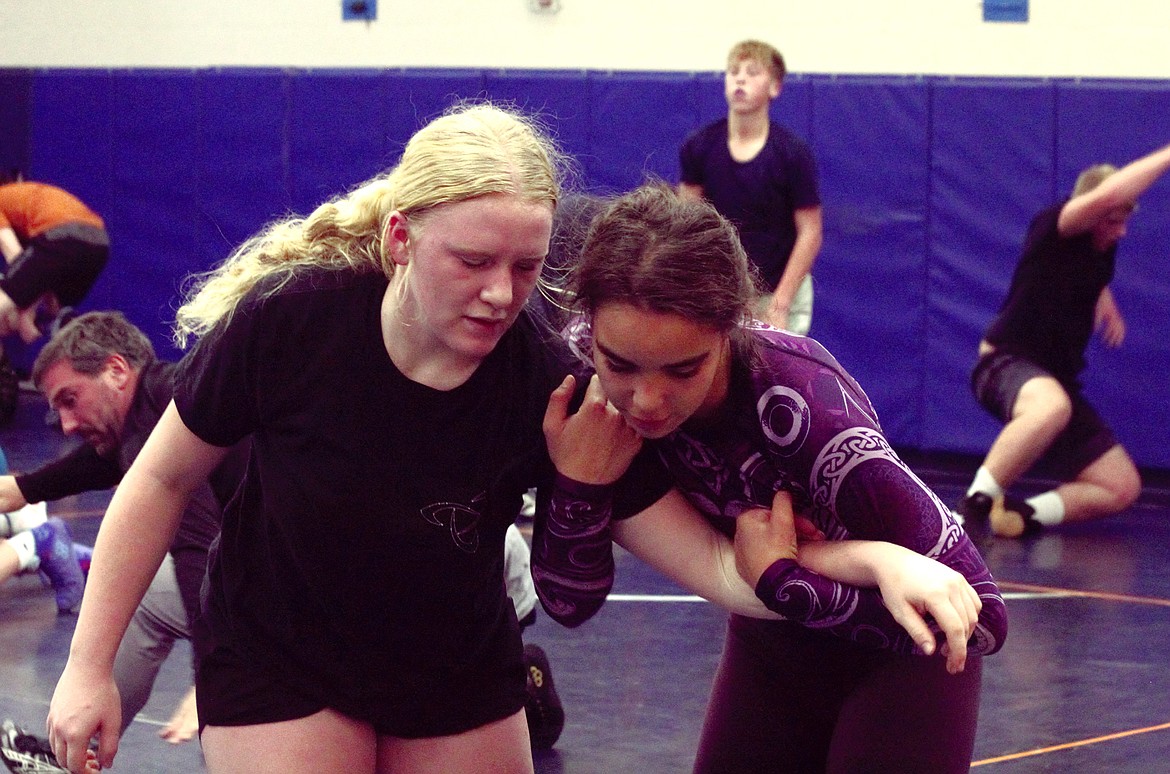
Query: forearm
<point>800,263</point>
<point>81,470</point>
<point>127,554</point>
<point>837,586</point>
<point>678,542</point>
<point>572,551</point>
<point>9,245</point>
<point>1129,182</point>
<point>854,562</point>
<point>11,498</point>
<point>809,236</point>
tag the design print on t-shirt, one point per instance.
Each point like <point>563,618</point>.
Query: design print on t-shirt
<point>462,520</point>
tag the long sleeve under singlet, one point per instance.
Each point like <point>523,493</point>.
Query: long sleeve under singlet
<point>794,421</point>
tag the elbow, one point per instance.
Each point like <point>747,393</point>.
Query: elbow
<point>568,602</point>
<point>992,628</point>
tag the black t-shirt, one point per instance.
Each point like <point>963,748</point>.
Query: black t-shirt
<point>759,196</point>
<point>83,470</point>
<point>1050,309</point>
<point>362,558</point>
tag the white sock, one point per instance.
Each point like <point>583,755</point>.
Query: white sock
<point>25,546</point>
<point>985,482</point>
<point>28,517</point>
<point>1048,506</point>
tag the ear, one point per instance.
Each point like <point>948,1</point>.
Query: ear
<point>396,238</point>
<point>775,88</point>
<point>119,371</point>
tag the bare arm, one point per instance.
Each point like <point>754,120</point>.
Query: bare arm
<point>1108,319</point>
<point>9,244</point>
<point>673,538</point>
<point>1121,189</point>
<point>11,498</point>
<point>690,191</point>
<point>137,530</point>
<point>911,586</point>
<point>809,236</point>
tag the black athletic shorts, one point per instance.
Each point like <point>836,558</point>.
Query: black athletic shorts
<point>234,689</point>
<point>996,382</point>
<point>64,261</point>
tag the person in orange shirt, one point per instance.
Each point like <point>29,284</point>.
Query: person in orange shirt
<point>54,248</point>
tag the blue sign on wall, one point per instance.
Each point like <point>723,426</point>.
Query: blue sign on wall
<point>1005,10</point>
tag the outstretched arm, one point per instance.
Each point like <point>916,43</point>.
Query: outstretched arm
<point>675,539</point>
<point>1121,189</point>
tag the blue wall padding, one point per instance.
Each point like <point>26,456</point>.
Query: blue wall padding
<point>243,169</point>
<point>339,126</point>
<point>871,143</point>
<point>15,118</point>
<point>72,141</point>
<point>982,196</point>
<point>1116,122</point>
<point>559,99</point>
<point>928,185</point>
<point>637,122</point>
<point>156,126</point>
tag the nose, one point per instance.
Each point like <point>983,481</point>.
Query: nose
<point>68,421</point>
<point>649,398</point>
<point>497,288</point>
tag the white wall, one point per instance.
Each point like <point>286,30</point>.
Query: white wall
<point>1071,38</point>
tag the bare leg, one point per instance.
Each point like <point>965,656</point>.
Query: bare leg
<point>331,742</point>
<point>9,561</point>
<point>9,315</point>
<point>501,747</point>
<point>1041,412</point>
<point>27,325</point>
<point>326,742</point>
<point>1108,486</point>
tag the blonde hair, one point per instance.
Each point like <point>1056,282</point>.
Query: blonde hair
<point>764,53</point>
<point>471,151</point>
<point>1092,177</point>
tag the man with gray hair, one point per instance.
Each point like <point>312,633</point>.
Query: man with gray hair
<point>101,376</point>
<point>1032,354</point>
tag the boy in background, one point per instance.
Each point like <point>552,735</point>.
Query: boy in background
<point>761,177</point>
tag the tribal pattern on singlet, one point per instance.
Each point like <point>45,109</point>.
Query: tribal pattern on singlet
<point>794,421</point>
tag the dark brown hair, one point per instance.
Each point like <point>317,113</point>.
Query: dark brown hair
<point>658,251</point>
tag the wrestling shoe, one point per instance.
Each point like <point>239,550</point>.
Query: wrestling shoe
<point>543,709</point>
<point>974,512</point>
<point>25,753</point>
<point>1012,518</point>
<point>84,557</point>
<point>59,563</point>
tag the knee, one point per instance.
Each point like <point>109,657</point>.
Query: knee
<point>1051,410</point>
<point>1126,488</point>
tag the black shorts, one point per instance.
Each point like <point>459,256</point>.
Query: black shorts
<point>65,261</point>
<point>997,380</point>
<point>235,689</point>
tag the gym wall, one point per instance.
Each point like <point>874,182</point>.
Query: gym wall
<point>928,183</point>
